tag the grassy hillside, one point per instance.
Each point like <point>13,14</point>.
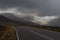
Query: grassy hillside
<point>7,33</point>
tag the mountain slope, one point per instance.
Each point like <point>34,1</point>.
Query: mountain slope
<point>55,22</point>
<point>21,22</point>
<point>10,16</point>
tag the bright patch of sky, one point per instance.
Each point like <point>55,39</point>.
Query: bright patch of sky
<point>44,20</point>
<point>41,19</point>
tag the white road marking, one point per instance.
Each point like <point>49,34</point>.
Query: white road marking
<point>16,33</point>
<point>40,34</point>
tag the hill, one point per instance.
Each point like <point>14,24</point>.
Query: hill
<point>55,22</point>
<point>12,19</point>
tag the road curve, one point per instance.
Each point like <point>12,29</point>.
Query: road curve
<point>27,33</point>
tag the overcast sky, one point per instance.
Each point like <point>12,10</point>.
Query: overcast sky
<point>40,7</point>
<point>44,8</point>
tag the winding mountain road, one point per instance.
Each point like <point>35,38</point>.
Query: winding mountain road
<point>29,33</point>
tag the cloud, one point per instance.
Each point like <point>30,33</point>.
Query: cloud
<point>24,6</point>
<point>40,7</point>
<point>43,20</point>
<point>44,8</point>
<point>19,3</point>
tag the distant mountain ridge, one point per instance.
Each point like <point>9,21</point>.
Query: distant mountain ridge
<point>55,22</point>
<point>10,16</point>
<point>16,20</point>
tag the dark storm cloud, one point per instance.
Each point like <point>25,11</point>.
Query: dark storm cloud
<point>19,3</point>
<point>25,6</point>
<point>40,7</point>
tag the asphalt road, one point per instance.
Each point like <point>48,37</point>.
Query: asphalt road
<point>28,33</point>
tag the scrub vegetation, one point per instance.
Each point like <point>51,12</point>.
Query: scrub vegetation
<point>52,28</point>
<point>7,33</point>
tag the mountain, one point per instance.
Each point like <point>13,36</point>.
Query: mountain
<point>10,16</point>
<point>15,20</point>
<point>29,17</point>
<point>55,22</point>
<point>5,21</point>
<point>14,17</point>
